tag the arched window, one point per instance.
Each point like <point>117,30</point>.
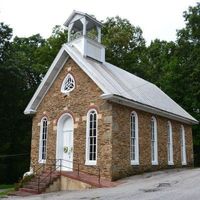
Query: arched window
<point>183,147</point>
<point>134,150</point>
<point>169,144</point>
<point>68,84</point>
<point>154,143</point>
<point>91,137</point>
<point>43,140</point>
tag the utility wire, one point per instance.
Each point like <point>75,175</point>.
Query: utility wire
<point>13,155</point>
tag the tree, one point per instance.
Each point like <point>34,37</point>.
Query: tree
<point>21,71</point>
<point>47,52</point>
<point>160,59</point>
<point>124,44</point>
<point>14,125</point>
<point>188,40</point>
<point>5,36</point>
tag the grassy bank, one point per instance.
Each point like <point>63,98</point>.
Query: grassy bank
<point>5,189</point>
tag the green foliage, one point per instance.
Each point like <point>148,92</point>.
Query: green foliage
<point>4,186</point>
<point>6,190</point>
<point>188,42</point>
<point>5,36</point>
<point>124,44</point>
<point>160,59</point>
<point>23,181</point>
<point>24,64</point>
<point>5,193</point>
<point>47,52</point>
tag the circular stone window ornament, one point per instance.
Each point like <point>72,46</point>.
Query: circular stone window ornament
<point>68,84</point>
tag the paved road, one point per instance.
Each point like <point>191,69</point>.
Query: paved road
<point>179,184</point>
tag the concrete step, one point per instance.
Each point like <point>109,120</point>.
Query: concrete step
<point>46,175</point>
<point>35,186</point>
<point>20,193</point>
<point>28,190</point>
<point>31,187</point>
<point>44,178</point>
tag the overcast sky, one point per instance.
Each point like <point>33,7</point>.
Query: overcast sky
<point>157,18</point>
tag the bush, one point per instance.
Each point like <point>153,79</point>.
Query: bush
<point>24,180</point>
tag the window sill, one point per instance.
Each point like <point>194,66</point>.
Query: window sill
<point>170,163</point>
<point>154,162</point>
<point>88,162</point>
<point>65,94</point>
<point>42,161</point>
<point>184,163</point>
<point>134,162</point>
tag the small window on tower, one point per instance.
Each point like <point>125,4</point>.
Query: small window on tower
<point>68,84</point>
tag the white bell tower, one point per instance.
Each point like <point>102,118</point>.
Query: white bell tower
<point>84,33</point>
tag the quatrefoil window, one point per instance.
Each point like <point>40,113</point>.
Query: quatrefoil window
<point>68,84</point>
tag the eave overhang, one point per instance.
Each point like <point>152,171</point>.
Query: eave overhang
<point>137,105</point>
<point>47,81</point>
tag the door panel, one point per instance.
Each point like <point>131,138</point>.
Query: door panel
<point>66,143</point>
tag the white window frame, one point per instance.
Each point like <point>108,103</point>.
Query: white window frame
<point>170,144</point>
<point>41,159</point>
<point>154,141</point>
<point>87,160</point>
<point>64,82</point>
<point>136,146</point>
<point>183,146</point>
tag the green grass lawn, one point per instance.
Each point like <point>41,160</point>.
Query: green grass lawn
<point>4,186</point>
<point>6,189</point>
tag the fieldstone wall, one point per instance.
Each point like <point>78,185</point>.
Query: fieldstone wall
<point>86,95</point>
<point>121,166</point>
<point>113,153</point>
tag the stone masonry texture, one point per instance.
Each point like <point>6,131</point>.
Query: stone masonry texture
<point>113,152</point>
<point>121,166</point>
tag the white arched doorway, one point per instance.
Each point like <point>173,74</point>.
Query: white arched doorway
<point>64,148</point>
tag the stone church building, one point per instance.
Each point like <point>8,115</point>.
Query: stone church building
<point>90,112</point>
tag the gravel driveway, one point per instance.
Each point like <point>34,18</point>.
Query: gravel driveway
<point>182,184</point>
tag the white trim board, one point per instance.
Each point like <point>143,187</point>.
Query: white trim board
<point>143,107</point>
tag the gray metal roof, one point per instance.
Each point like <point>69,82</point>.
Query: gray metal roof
<point>112,81</point>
